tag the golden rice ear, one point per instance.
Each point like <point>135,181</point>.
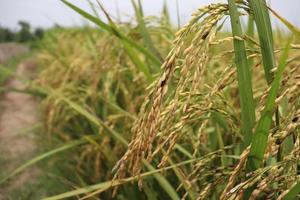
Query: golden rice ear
<point>160,127</point>
<point>195,51</point>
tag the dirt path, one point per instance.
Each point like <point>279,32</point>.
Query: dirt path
<point>8,50</point>
<point>18,112</point>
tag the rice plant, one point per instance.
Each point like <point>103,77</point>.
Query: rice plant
<point>158,113</point>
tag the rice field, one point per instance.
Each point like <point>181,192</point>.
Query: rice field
<point>149,110</point>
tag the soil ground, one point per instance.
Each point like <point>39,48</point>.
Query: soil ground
<point>9,50</point>
<point>18,112</point>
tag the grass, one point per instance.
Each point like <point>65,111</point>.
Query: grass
<point>200,126</point>
<point>11,64</point>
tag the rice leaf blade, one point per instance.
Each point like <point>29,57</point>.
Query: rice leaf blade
<point>106,185</point>
<point>293,193</point>
<point>143,28</point>
<point>41,157</point>
<point>244,75</point>
<point>265,34</point>
<point>260,138</point>
<point>115,32</point>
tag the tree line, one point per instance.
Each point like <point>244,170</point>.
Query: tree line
<point>25,33</point>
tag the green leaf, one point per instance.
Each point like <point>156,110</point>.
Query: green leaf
<point>137,62</point>
<point>260,138</point>
<point>143,28</point>
<point>100,187</point>
<point>244,75</point>
<point>294,192</point>
<point>264,29</point>
<point>43,156</point>
<point>113,30</point>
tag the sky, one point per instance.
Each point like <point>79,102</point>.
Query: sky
<point>46,13</point>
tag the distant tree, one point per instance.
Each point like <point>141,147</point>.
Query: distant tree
<point>39,33</point>
<point>25,34</point>
<point>2,34</point>
<point>10,36</point>
<point>6,35</point>
<point>24,25</point>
